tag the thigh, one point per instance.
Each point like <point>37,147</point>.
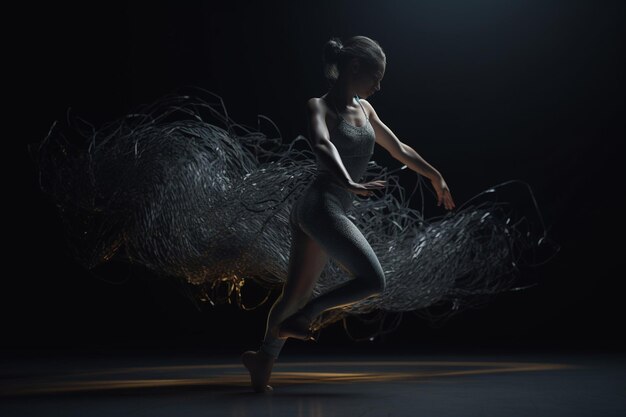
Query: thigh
<point>307,260</point>
<point>330,227</point>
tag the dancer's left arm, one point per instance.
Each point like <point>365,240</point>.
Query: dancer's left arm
<point>408,156</point>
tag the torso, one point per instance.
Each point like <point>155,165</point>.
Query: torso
<point>353,137</point>
<point>354,117</point>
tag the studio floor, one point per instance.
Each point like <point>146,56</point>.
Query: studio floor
<point>174,384</point>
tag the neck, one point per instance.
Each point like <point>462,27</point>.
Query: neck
<point>340,95</point>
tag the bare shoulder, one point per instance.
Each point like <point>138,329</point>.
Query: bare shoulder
<point>316,105</point>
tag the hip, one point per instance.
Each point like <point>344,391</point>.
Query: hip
<point>321,196</point>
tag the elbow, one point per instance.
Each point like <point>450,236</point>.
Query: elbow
<point>321,145</point>
<point>400,153</point>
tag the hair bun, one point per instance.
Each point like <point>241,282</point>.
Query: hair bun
<point>337,45</point>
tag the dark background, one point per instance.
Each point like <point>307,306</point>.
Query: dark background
<point>486,91</point>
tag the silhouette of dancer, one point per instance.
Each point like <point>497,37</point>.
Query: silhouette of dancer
<point>344,131</point>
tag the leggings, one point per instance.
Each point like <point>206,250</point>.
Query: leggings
<point>321,229</point>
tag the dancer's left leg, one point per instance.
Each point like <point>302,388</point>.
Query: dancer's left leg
<point>306,262</point>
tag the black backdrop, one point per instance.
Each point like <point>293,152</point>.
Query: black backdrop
<point>486,91</point>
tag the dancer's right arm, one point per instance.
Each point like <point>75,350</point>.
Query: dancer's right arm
<point>322,146</point>
<point>328,154</point>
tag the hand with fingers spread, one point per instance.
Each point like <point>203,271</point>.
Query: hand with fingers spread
<point>367,188</point>
<point>443,192</point>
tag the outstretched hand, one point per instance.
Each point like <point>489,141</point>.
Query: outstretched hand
<point>443,193</point>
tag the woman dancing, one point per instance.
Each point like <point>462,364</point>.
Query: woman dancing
<point>344,129</point>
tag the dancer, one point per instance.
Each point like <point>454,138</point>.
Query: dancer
<point>221,204</point>
<point>344,129</point>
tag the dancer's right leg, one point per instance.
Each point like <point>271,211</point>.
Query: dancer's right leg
<point>306,262</point>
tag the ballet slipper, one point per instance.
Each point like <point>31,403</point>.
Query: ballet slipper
<point>259,365</point>
<point>296,326</point>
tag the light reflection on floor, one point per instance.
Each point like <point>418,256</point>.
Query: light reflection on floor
<point>287,373</point>
<point>305,386</point>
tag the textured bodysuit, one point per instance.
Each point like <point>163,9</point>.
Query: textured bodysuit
<point>355,145</point>
<point>321,213</point>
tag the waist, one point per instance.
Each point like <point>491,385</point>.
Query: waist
<point>356,165</point>
<point>327,179</point>
<point>325,183</point>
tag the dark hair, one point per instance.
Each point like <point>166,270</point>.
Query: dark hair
<point>337,54</point>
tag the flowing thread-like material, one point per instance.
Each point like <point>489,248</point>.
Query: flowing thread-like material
<point>164,188</point>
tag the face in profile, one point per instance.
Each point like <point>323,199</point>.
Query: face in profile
<point>368,80</point>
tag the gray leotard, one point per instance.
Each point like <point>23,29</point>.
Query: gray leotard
<point>321,214</point>
<point>355,145</point>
